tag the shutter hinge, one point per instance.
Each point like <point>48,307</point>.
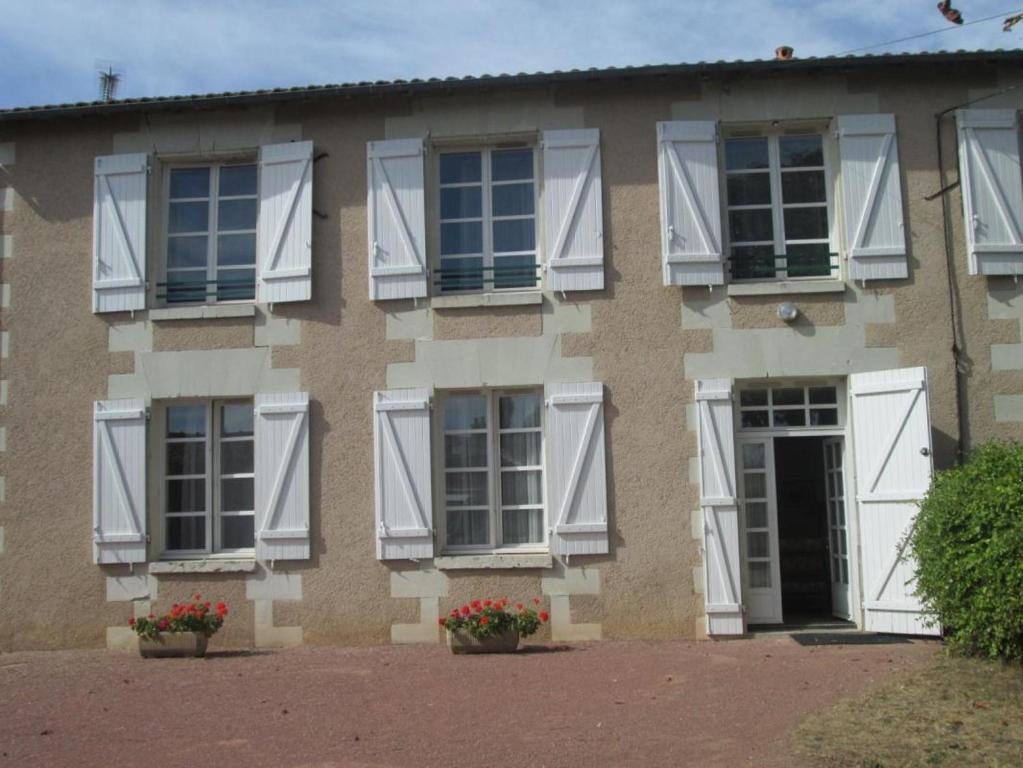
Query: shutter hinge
<point>149,413</point>
<point>429,403</point>
<point>149,538</point>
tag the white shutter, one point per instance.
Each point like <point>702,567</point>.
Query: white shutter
<point>992,190</point>
<point>687,168</point>
<point>119,481</point>
<point>573,210</point>
<point>119,233</point>
<point>577,477</point>
<point>872,197</point>
<point>720,508</point>
<point>892,446</point>
<point>397,219</point>
<point>282,476</point>
<point>284,245</point>
<point>401,464</point>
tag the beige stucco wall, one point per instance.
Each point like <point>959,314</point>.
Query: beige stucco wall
<point>645,342</point>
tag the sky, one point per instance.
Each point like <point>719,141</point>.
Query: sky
<point>51,50</point>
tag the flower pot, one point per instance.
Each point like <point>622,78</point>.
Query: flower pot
<point>180,644</point>
<point>461,641</point>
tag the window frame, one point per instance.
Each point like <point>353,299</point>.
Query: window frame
<point>214,513</point>
<point>433,202</point>
<point>840,404</point>
<point>214,164</point>
<point>494,470</point>
<point>773,133</point>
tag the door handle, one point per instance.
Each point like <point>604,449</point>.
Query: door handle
<point>925,451</point>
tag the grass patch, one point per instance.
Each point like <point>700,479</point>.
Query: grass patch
<point>954,712</point>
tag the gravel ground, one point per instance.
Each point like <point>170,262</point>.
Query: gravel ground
<point>620,704</point>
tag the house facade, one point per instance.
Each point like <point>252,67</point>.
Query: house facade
<point>675,349</point>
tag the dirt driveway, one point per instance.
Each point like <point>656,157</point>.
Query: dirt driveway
<point>611,704</point>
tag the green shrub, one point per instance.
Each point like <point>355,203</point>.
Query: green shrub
<point>968,544</point>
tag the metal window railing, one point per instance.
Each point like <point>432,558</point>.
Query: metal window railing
<point>222,289</point>
<point>767,267</point>
<point>477,278</point>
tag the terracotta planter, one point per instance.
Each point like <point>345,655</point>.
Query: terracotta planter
<point>461,641</point>
<point>179,644</point>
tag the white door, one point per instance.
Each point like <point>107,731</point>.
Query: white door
<point>892,449</point>
<point>838,536</point>
<point>761,571</point>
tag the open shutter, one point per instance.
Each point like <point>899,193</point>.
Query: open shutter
<point>892,445</point>
<point>282,476</point>
<point>872,197</point>
<point>401,463</point>
<point>577,505</point>
<point>119,233</point>
<point>720,508</point>
<point>119,481</point>
<point>992,190</point>
<point>397,219</point>
<point>573,210</point>
<point>285,233</point>
<point>687,168</point>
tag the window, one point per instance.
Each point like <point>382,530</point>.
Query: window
<point>209,494</point>
<point>487,220</point>
<point>211,234</point>
<point>493,470</point>
<point>789,406</point>
<point>778,203</point>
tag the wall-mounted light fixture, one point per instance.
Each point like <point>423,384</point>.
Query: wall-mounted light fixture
<point>788,311</point>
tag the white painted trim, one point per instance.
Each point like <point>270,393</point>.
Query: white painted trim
<point>786,287</point>
<point>462,301</point>
<point>492,562</point>
<point>206,312</point>
<point>206,565</point>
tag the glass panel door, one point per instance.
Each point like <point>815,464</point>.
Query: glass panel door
<point>838,534</point>
<point>761,574</point>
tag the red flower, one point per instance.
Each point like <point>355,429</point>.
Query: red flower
<point>465,610</point>
<point>206,605</point>
<point>131,622</point>
<point>519,606</point>
<point>162,626</point>
<point>484,621</point>
<point>454,613</point>
<point>544,615</point>
<point>197,596</point>
<point>487,603</point>
<point>442,621</point>
<point>151,616</point>
<point>476,604</point>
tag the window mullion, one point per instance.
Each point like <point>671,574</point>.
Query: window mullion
<point>488,234</point>
<point>211,246</point>
<point>493,441</point>
<point>210,477</point>
<point>777,212</point>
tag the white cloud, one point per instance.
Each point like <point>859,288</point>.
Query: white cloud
<point>48,49</point>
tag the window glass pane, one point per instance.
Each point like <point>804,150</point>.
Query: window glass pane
<point>186,495</point>
<point>236,419</point>
<point>754,455</point>
<point>744,154</point>
<point>186,251</point>
<point>188,217</point>
<point>754,419</point>
<point>236,457</point>
<point>236,494</point>
<point>513,200</point>
<point>755,484</point>
<point>522,526</point>
<point>466,489</point>
<point>465,451</point>
<point>236,532</point>
<point>461,274</point>
<point>760,575</point>
<point>237,180</point>
<point>236,284</point>
<point>236,250</point>
<point>806,223</point>
<point>515,271</point>
<point>186,532</point>
<point>787,396</point>
<point>509,164</point>
<point>749,189</point>
<point>186,458</point>
<point>801,151</point>
<point>186,286</point>
<point>808,260</point>
<point>189,182</point>
<point>803,187</point>
<point>520,411</point>
<point>521,488</point>
<point>753,397</point>
<point>756,514</point>
<point>465,412</point>
<point>236,214</point>
<point>468,526</point>
<point>823,417</point>
<point>461,203</point>
<point>461,237</point>
<point>758,544</point>
<point>748,226</point>
<point>823,395</point>
<point>514,235</point>
<point>186,421</point>
<point>520,449</point>
<point>460,167</point>
<point>752,261</point>
<point>790,418</point>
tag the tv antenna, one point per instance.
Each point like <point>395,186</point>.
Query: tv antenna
<point>110,77</point>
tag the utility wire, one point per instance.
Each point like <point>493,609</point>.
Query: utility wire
<point>932,32</point>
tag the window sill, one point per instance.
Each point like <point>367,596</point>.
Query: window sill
<point>491,562</point>
<point>203,566</point>
<point>786,287</point>
<point>205,312</point>
<point>462,300</point>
